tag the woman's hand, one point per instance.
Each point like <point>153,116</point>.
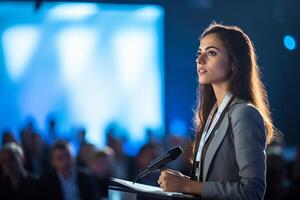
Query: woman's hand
<point>173,181</point>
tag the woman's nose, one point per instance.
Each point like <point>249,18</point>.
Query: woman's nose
<point>201,59</point>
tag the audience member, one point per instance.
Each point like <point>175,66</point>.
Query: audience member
<point>7,137</point>
<point>15,182</point>
<point>66,181</point>
<point>101,165</point>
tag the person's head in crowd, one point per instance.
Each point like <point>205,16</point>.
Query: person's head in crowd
<point>61,158</point>
<point>115,138</point>
<point>116,143</point>
<point>12,159</point>
<point>101,163</point>
<point>7,137</point>
<point>30,124</point>
<point>85,155</point>
<point>150,135</point>
<point>51,123</point>
<point>146,154</point>
<point>37,145</point>
<point>81,136</point>
<point>26,139</point>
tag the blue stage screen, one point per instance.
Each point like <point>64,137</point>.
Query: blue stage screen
<point>88,64</point>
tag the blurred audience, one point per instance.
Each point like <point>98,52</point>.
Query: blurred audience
<point>52,132</point>
<point>276,170</point>
<point>7,137</point>
<point>183,162</point>
<point>15,182</point>
<point>294,189</point>
<point>81,136</point>
<point>66,181</point>
<point>147,153</point>
<point>86,174</point>
<point>39,162</point>
<point>276,175</point>
<point>36,152</point>
<point>121,160</point>
<point>101,167</point>
<point>85,155</point>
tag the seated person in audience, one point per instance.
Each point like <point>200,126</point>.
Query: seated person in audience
<point>294,189</point>
<point>85,154</point>
<point>146,154</point>
<point>37,160</point>
<point>15,181</point>
<point>100,166</point>
<point>7,137</point>
<point>122,162</point>
<point>65,181</point>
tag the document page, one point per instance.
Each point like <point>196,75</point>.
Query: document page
<point>147,188</point>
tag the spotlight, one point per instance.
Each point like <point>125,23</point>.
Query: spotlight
<point>289,42</point>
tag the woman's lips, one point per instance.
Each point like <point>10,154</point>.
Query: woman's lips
<point>202,71</point>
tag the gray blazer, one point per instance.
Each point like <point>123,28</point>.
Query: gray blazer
<point>235,161</point>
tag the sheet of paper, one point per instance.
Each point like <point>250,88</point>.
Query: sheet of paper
<point>146,188</point>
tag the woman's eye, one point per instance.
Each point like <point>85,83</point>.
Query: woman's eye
<point>211,53</point>
<point>198,54</point>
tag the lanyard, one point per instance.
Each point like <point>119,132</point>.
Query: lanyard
<point>208,129</point>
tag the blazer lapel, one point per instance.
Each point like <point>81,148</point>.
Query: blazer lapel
<point>220,133</point>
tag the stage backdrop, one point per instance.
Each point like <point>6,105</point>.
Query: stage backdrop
<point>86,64</point>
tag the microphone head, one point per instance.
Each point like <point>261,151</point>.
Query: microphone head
<point>175,152</point>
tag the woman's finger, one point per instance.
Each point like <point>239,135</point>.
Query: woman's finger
<point>174,172</point>
<point>171,170</point>
<point>162,185</point>
<point>163,173</point>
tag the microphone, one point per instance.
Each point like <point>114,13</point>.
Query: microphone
<point>160,162</point>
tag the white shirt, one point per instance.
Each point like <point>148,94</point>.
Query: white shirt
<point>69,187</point>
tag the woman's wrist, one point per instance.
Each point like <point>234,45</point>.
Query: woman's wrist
<point>192,187</point>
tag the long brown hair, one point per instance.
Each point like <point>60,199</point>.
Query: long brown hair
<point>244,81</point>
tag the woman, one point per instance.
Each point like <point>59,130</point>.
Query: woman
<point>232,121</point>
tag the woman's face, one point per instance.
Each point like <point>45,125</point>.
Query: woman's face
<point>213,64</point>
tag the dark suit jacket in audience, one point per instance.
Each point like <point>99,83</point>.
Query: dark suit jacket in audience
<point>50,187</point>
<point>26,189</point>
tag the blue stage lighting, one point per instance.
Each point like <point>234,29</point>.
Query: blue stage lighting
<point>289,42</point>
<point>89,64</point>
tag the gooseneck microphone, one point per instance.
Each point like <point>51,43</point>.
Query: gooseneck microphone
<point>160,162</point>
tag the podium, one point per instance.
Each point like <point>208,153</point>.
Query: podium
<point>125,190</point>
